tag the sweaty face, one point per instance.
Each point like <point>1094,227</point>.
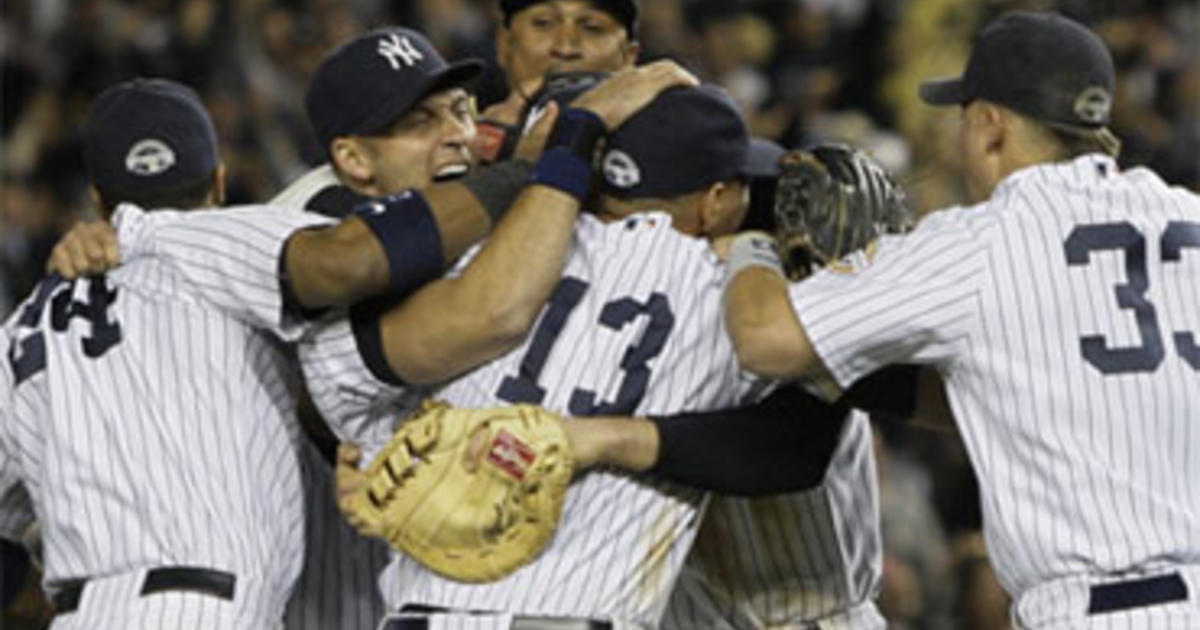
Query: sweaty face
<point>559,36</point>
<point>429,143</point>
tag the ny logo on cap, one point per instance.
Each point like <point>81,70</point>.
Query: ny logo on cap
<point>149,157</point>
<point>1093,104</point>
<point>397,49</point>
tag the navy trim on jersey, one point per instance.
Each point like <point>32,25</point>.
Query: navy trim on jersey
<point>336,201</point>
<point>364,321</point>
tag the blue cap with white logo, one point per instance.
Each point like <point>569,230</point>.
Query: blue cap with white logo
<point>146,135</point>
<point>365,85</point>
<point>1043,65</point>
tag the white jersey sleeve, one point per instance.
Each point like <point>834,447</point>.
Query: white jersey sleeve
<point>358,405</point>
<point>230,256</point>
<point>911,302</point>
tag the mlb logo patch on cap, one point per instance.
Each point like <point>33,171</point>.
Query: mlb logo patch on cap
<point>146,135</point>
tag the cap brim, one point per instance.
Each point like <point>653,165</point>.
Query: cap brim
<point>457,74</point>
<point>762,159</point>
<point>943,92</point>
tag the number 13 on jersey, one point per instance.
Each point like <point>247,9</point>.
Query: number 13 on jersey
<point>615,315</point>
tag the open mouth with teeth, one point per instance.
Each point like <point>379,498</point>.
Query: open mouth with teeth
<point>450,172</point>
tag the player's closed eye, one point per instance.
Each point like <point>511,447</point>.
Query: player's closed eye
<point>543,23</point>
<point>594,27</point>
<point>462,109</point>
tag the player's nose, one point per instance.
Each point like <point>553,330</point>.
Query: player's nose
<point>566,42</point>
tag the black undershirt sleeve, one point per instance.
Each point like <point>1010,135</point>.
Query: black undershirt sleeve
<point>782,444</point>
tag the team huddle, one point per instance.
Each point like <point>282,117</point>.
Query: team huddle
<point>211,415</point>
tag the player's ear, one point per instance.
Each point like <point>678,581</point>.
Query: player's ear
<point>993,126</point>
<point>350,158</point>
<point>631,52</point>
<point>504,38</point>
<point>721,208</point>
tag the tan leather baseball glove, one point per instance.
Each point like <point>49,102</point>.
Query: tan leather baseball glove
<point>473,494</point>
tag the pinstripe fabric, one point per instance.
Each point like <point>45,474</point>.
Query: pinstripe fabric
<point>358,407</point>
<point>790,560</point>
<point>337,588</point>
<point>622,540</point>
<point>16,506</point>
<point>228,258</point>
<point>1089,463</point>
<point>173,447</point>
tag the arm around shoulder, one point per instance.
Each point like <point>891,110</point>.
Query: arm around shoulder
<point>766,333</point>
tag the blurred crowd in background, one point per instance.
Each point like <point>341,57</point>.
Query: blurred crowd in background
<point>803,70</point>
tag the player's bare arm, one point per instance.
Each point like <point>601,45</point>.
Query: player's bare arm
<point>487,310</point>
<point>327,266</point>
<point>768,337</point>
<point>346,263</point>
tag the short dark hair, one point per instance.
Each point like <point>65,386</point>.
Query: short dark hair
<point>182,195</point>
<point>1075,142</point>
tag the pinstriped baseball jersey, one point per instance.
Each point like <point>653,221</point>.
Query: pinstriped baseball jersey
<point>633,327</point>
<point>790,560</point>
<point>337,587</point>
<point>1064,315</point>
<point>16,507</point>
<point>154,429</point>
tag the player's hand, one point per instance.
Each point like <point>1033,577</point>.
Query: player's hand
<point>509,110</point>
<point>533,142</point>
<point>349,479</point>
<point>90,247</point>
<point>621,95</point>
<point>621,441</point>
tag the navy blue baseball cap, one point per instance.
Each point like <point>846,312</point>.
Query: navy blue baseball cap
<point>146,135</point>
<point>623,11</point>
<point>685,140</point>
<point>363,86</point>
<point>1043,65</point>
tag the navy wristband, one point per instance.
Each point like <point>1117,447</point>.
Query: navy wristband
<point>578,130</point>
<point>567,162</point>
<point>409,235</point>
<point>561,169</point>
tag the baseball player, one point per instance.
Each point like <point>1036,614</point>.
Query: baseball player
<point>417,132</point>
<point>800,560</point>
<point>421,129</point>
<point>637,296</point>
<point>541,37</point>
<point>140,419</point>
<point>1059,310</point>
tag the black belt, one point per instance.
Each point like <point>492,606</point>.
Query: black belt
<point>1116,596</point>
<point>519,622</point>
<point>205,581</point>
